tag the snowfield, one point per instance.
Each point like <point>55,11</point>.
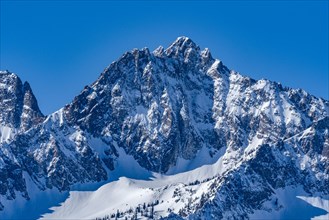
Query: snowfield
<point>170,193</point>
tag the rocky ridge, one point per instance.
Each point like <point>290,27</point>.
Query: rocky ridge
<point>164,106</point>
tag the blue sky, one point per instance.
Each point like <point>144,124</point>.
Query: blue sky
<point>61,46</point>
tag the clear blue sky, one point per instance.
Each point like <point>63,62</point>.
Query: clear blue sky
<point>61,46</point>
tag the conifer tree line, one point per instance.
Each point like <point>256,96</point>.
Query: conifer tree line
<point>142,210</point>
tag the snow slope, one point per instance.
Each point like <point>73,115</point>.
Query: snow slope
<point>173,193</point>
<point>294,204</point>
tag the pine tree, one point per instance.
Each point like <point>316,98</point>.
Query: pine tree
<point>117,215</point>
<point>189,204</point>
<point>146,212</point>
<point>135,215</point>
<point>152,211</point>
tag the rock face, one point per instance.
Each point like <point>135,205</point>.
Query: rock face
<point>163,106</point>
<point>19,112</point>
<point>292,163</point>
<point>19,107</point>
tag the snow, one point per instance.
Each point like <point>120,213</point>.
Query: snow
<point>131,185</point>
<point>175,192</point>
<point>141,110</point>
<point>253,145</point>
<point>57,117</point>
<point>3,86</point>
<point>158,51</point>
<point>262,84</point>
<point>39,202</point>
<point>122,195</point>
<point>291,116</point>
<point>202,158</point>
<point>293,203</point>
<point>6,133</point>
<point>231,98</point>
<point>127,166</point>
<point>319,203</point>
<point>119,195</point>
<point>213,69</point>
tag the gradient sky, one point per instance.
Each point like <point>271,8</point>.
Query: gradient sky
<point>61,46</point>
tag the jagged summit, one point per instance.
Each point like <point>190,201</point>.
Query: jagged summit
<point>19,107</point>
<point>181,45</point>
<point>183,40</point>
<point>183,48</point>
<point>4,72</point>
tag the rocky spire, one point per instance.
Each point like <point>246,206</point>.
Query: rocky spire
<point>19,107</point>
<point>31,113</point>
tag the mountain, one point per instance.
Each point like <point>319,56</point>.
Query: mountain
<point>19,107</point>
<point>19,112</point>
<point>174,128</point>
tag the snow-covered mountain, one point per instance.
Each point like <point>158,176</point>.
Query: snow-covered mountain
<point>175,129</point>
<point>19,108</point>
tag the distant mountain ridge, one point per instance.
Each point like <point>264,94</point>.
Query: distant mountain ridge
<point>172,111</point>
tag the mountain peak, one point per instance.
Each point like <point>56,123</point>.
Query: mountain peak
<point>4,72</point>
<point>182,39</point>
<point>19,106</point>
<point>181,45</point>
<point>6,75</point>
<point>158,51</point>
<point>27,87</point>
